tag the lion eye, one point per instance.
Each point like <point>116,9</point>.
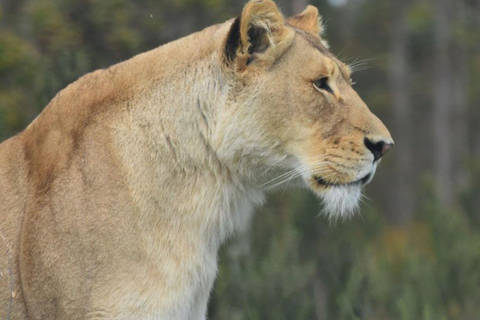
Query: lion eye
<point>322,84</point>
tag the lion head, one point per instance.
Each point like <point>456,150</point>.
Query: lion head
<point>291,108</point>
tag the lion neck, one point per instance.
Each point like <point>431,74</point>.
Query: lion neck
<point>167,145</point>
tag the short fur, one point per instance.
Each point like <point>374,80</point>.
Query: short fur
<point>115,200</point>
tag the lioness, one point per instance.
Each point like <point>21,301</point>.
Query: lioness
<point>115,199</point>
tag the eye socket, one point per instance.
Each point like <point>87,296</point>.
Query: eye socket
<point>322,84</point>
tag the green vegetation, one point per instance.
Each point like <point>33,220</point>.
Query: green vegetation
<point>363,268</point>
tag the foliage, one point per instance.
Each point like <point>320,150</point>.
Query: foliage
<point>370,270</point>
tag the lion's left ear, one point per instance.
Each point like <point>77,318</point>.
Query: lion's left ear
<point>309,20</point>
<point>258,37</point>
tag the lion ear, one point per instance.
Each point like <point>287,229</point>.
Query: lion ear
<point>309,20</point>
<point>258,37</point>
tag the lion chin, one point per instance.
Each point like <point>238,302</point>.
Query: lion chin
<point>341,201</point>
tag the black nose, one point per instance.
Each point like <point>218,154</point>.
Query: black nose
<point>377,148</point>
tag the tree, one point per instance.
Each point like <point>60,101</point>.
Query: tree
<point>401,209</point>
<point>442,102</point>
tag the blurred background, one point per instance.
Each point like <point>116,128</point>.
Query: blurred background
<point>414,252</point>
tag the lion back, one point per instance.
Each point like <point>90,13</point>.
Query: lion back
<point>12,202</point>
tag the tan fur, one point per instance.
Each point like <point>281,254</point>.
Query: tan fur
<point>309,20</point>
<point>114,201</point>
<point>264,15</point>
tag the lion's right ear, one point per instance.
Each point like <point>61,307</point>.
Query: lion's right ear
<point>258,37</point>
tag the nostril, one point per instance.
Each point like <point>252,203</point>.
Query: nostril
<point>377,148</point>
<point>386,147</point>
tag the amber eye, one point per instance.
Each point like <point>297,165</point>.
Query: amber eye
<point>322,84</point>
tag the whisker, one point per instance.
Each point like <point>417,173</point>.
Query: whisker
<point>273,164</point>
<point>360,69</point>
<point>292,175</point>
<point>312,166</point>
<point>279,177</point>
<point>359,65</point>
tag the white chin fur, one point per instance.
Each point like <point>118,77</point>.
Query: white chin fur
<point>341,201</point>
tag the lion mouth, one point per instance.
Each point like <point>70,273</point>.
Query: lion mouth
<point>324,183</point>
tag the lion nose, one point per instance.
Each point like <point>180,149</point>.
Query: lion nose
<point>378,148</point>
